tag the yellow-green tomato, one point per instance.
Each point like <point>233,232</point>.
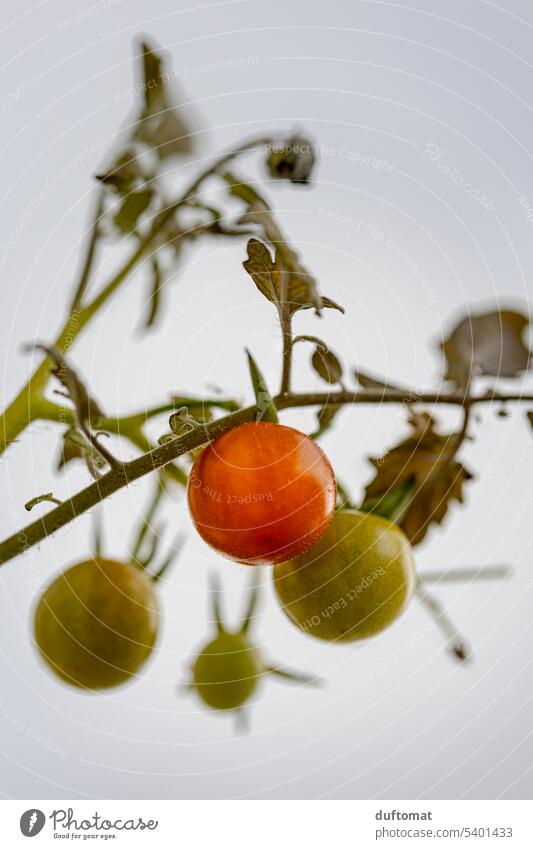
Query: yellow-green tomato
<point>354,582</point>
<point>227,671</point>
<point>96,623</point>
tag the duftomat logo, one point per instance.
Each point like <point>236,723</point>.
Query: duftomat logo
<point>32,822</point>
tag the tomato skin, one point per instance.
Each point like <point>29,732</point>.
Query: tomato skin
<point>96,623</point>
<point>261,493</point>
<point>355,582</point>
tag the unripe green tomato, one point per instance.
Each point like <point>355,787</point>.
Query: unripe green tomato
<point>354,582</point>
<point>96,623</point>
<point>227,671</point>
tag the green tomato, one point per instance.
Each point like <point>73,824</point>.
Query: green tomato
<point>227,671</point>
<point>96,624</point>
<point>353,583</point>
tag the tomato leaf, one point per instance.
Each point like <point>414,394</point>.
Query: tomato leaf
<point>487,344</point>
<point>266,409</point>
<point>155,292</point>
<point>87,409</point>
<point>282,280</point>
<point>74,446</point>
<point>369,381</point>
<point>161,125</point>
<point>327,365</point>
<point>131,209</point>
<point>427,458</point>
<point>393,503</point>
<point>124,174</point>
<point>325,418</point>
<point>244,191</point>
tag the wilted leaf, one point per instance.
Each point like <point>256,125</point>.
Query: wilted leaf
<point>327,365</point>
<point>266,409</point>
<point>368,381</point>
<point>325,418</point>
<point>263,270</point>
<point>270,276</point>
<point>74,446</point>
<point>487,344</point>
<point>428,459</point>
<point>87,409</point>
<point>161,125</point>
<point>292,160</point>
<point>530,417</point>
<point>131,209</point>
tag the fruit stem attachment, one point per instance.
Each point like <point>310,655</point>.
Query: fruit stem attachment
<point>215,594</point>
<point>253,599</point>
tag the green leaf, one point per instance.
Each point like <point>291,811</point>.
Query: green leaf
<point>266,409</point>
<point>155,293</point>
<point>325,418</point>
<point>125,173</point>
<point>131,209</point>
<point>327,365</point>
<point>392,504</point>
<point>244,191</point>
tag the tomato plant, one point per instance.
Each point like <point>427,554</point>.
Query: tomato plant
<point>259,492</point>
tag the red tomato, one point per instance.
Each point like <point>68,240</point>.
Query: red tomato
<point>262,493</point>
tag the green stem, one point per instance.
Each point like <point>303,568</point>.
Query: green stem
<point>24,408</point>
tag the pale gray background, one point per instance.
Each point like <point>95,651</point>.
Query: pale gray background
<point>381,79</point>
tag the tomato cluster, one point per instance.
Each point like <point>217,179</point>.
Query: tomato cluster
<point>262,493</point>
<point>265,494</point>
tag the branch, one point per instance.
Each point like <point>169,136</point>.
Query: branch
<point>90,254</point>
<point>286,334</point>
<point>125,474</point>
<point>24,408</point>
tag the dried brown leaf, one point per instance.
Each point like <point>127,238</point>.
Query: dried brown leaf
<point>427,458</point>
<point>87,409</point>
<point>270,275</point>
<point>487,344</point>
